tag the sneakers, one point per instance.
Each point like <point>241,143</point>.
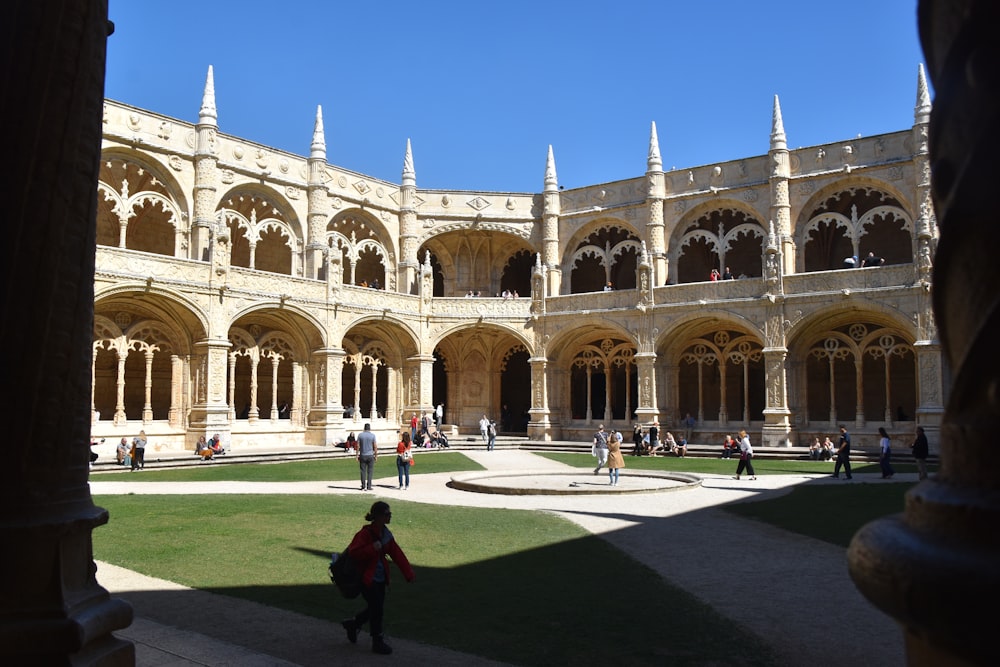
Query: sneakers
<point>597,469</point>
<point>352,630</point>
<point>379,646</point>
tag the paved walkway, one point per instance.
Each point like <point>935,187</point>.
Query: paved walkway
<point>793,591</point>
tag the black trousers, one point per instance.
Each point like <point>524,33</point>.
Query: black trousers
<point>842,461</point>
<point>372,614</point>
<point>746,463</point>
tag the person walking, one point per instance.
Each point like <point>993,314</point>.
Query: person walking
<point>439,415</point>
<point>369,549</point>
<point>654,436</point>
<point>367,455</point>
<point>414,423</point>
<point>843,455</point>
<point>404,459</point>
<point>600,448</point>
<point>615,459</point>
<point>484,427</point>
<point>885,454</point>
<point>491,436</point>
<point>920,450</point>
<point>746,456</point>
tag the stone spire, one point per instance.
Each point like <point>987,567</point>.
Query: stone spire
<point>551,210</point>
<point>778,141</point>
<point>318,148</point>
<point>551,181</point>
<point>207,114</point>
<point>656,192</point>
<point>922,112</point>
<point>408,274</point>
<point>654,162</point>
<point>409,174</point>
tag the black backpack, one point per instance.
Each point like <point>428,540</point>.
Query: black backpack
<point>345,573</point>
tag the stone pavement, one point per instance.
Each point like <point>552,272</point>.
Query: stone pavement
<point>791,590</point>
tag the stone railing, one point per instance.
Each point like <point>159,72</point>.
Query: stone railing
<point>121,263</point>
<point>896,275</point>
<point>485,307</point>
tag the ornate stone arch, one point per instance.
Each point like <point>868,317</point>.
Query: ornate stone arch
<point>716,236</point>
<point>140,206</point>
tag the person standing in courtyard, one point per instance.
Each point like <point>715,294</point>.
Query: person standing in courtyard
<point>885,454</point>
<point>404,458</point>
<point>484,427</point>
<point>491,436</point>
<point>369,548</point>
<point>843,454</point>
<point>367,455</point>
<point>654,436</point>
<point>615,459</point>
<point>920,450</point>
<point>414,423</point>
<point>636,439</point>
<point>139,451</point>
<point>439,415</point>
<point>600,448</point>
<point>688,426</point>
<point>746,456</point>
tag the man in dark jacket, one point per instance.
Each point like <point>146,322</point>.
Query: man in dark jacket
<point>843,454</point>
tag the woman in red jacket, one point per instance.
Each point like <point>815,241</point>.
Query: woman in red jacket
<point>369,549</point>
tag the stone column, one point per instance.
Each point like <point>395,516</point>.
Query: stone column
<point>210,412</point>
<point>538,426</point>
<point>646,368</point>
<point>54,611</point>
<point>326,414</point>
<point>777,429</point>
<point>934,568</point>
<point>930,390</point>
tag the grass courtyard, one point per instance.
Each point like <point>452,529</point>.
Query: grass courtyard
<point>484,575</point>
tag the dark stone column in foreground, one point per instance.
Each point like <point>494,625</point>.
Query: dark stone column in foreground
<point>52,610</point>
<point>936,568</point>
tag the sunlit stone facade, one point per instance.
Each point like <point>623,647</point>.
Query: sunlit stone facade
<point>233,278</point>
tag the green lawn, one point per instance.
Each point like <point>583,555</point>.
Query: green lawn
<point>334,470</point>
<point>493,574</point>
<point>523,587</point>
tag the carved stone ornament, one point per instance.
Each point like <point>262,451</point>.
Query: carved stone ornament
<point>238,152</point>
<point>175,162</point>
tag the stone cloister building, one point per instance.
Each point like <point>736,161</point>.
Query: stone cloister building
<point>234,280</point>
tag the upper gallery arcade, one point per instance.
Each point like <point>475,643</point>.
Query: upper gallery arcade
<point>281,299</point>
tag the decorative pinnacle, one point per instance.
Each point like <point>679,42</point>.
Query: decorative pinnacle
<point>653,161</point>
<point>551,181</point>
<point>409,173</point>
<point>777,128</point>
<point>207,115</point>
<point>318,147</point>
<point>922,112</point>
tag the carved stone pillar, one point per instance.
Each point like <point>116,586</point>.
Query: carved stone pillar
<point>326,415</point>
<point>54,612</point>
<point>930,390</point>
<point>210,412</point>
<point>645,363</point>
<point>934,568</point>
<point>175,415</point>
<point>777,429</point>
<point>538,425</point>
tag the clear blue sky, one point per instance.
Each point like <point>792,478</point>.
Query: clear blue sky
<point>482,89</point>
